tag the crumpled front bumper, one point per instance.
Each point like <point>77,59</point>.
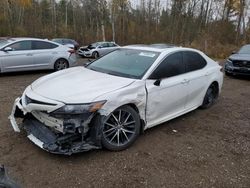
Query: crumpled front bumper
<point>46,139</point>
<point>17,105</point>
<point>49,140</point>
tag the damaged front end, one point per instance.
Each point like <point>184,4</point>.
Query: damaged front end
<point>57,127</point>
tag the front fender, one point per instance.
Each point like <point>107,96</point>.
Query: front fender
<point>134,94</point>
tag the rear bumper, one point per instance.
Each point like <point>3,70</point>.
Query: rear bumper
<point>72,60</point>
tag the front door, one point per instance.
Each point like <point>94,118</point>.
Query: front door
<point>167,90</point>
<point>19,58</point>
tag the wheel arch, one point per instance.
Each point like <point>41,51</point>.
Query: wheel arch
<point>136,108</point>
<point>58,58</point>
<point>216,84</point>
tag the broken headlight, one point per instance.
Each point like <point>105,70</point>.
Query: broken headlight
<point>79,108</point>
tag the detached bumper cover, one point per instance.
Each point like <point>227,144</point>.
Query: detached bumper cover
<point>49,139</point>
<point>44,138</point>
<point>16,106</point>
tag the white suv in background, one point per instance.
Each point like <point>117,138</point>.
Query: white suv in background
<point>24,54</point>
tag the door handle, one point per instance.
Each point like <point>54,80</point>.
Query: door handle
<point>29,54</point>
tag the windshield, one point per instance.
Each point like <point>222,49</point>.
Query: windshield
<point>3,42</point>
<point>245,50</point>
<point>92,46</point>
<point>127,63</point>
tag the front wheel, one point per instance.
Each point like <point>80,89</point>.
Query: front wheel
<point>61,64</point>
<point>95,55</point>
<point>120,129</point>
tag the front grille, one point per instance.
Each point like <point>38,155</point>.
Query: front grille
<point>29,100</point>
<point>245,64</point>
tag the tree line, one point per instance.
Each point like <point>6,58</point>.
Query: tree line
<point>214,26</point>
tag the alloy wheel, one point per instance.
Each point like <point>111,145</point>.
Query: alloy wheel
<point>119,128</point>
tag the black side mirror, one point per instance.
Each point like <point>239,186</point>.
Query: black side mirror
<point>233,52</point>
<point>157,82</point>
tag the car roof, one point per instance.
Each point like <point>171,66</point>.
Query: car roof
<point>101,42</point>
<point>17,39</point>
<point>148,48</point>
<point>12,39</point>
<point>162,45</point>
<point>62,39</point>
<point>160,50</point>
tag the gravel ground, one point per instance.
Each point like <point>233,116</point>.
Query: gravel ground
<point>205,148</point>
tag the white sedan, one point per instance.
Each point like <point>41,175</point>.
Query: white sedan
<point>112,100</point>
<point>25,54</point>
<point>97,49</point>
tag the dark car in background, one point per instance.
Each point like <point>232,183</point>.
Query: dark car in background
<point>67,42</point>
<point>239,62</point>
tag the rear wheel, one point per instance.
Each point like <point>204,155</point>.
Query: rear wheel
<point>120,129</point>
<point>211,96</point>
<point>61,64</point>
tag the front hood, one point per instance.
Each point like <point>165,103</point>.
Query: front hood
<point>241,57</point>
<point>77,85</point>
<point>84,47</point>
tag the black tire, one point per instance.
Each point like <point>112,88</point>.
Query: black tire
<point>95,54</point>
<point>120,129</point>
<point>211,96</point>
<point>228,74</point>
<point>61,64</point>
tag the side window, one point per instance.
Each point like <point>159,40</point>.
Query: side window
<point>68,41</point>
<point>112,45</point>
<point>193,61</point>
<point>23,45</point>
<point>172,65</point>
<point>41,45</point>
<point>105,45</point>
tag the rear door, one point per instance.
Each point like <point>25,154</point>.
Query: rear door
<point>196,76</point>
<point>112,47</point>
<point>167,98</point>
<point>20,58</point>
<point>44,54</point>
<point>103,49</point>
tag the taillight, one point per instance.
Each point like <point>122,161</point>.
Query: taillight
<point>221,69</point>
<point>71,51</point>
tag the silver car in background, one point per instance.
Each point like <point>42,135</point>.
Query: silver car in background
<point>25,54</point>
<point>97,49</point>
